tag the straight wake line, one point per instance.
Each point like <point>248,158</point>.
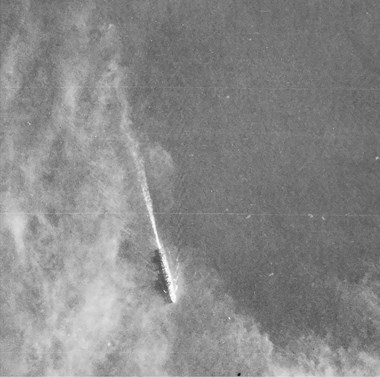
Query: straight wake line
<point>145,190</point>
<point>141,176</point>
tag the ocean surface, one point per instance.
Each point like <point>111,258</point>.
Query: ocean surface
<point>257,124</point>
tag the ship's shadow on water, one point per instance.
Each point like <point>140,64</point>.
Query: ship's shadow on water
<point>160,285</point>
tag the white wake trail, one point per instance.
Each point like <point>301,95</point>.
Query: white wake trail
<point>141,176</point>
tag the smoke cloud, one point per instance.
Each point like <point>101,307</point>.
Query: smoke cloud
<point>72,302</point>
<point>77,289</point>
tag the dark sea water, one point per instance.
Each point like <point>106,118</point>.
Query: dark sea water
<point>270,112</point>
<point>259,125</point>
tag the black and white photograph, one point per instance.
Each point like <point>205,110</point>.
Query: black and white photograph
<point>190,188</point>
